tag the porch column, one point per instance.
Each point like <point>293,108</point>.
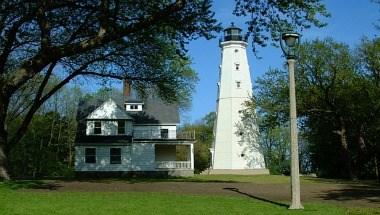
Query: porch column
<point>192,155</point>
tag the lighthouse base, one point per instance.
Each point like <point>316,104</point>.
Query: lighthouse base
<point>236,172</point>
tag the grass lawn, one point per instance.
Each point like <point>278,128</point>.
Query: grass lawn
<point>25,202</point>
<point>71,203</point>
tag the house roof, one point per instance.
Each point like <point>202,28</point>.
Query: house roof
<point>109,110</point>
<point>156,111</point>
<point>133,101</point>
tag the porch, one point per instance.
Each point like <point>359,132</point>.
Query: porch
<point>178,157</point>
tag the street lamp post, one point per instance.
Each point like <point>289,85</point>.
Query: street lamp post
<point>289,45</point>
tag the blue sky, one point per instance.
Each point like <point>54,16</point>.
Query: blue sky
<point>350,21</point>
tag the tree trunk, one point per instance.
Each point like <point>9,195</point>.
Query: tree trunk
<point>361,154</point>
<point>377,168</point>
<point>377,162</point>
<point>345,155</point>
<point>3,159</point>
<point>4,147</point>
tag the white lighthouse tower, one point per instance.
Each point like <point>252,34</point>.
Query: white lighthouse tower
<point>230,154</point>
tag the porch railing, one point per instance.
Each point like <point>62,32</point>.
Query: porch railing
<point>186,135</point>
<point>173,164</point>
<point>156,134</point>
<point>151,134</point>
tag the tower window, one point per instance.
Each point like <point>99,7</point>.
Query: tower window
<point>236,51</point>
<point>237,66</point>
<point>238,83</point>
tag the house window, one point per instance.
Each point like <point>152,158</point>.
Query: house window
<point>121,127</point>
<point>90,155</point>
<point>164,133</point>
<point>115,155</point>
<point>238,83</point>
<point>237,66</point>
<point>98,127</point>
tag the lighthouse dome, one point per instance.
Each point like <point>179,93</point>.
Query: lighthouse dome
<point>233,33</point>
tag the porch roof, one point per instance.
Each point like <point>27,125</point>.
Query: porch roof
<point>165,141</point>
<point>99,139</point>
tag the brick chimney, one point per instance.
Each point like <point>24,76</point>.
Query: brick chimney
<point>126,89</point>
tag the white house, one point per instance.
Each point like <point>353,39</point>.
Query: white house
<point>131,137</point>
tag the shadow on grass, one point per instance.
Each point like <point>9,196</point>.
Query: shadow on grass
<point>341,181</point>
<point>177,179</point>
<point>30,184</point>
<point>366,193</point>
<point>56,183</point>
<point>135,180</point>
<point>236,190</point>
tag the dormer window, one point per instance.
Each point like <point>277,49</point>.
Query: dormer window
<point>134,107</point>
<point>97,127</point>
<point>121,127</point>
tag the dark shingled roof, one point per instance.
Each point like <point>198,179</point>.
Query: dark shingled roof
<point>134,101</point>
<point>155,111</point>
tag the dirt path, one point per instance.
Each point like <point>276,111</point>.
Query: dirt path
<point>344,194</point>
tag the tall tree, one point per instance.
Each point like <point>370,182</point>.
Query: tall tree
<point>338,104</point>
<point>271,98</point>
<point>48,146</point>
<point>204,137</point>
<point>325,69</point>
<point>267,19</point>
<point>368,97</point>
<point>139,40</point>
